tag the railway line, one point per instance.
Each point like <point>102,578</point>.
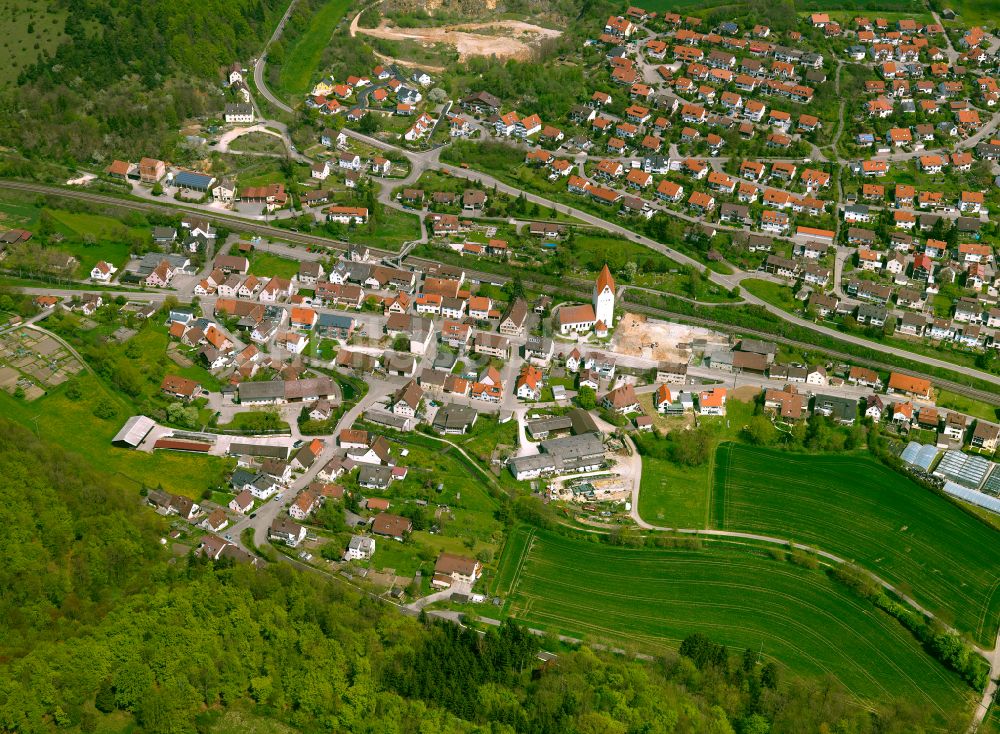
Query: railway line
<point>577,289</point>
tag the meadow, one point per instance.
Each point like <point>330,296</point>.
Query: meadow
<point>387,233</point>
<point>273,266</point>
<point>303,57</point>
<point>30,28</point>
<point>72,425</point>
<point>780,295</point>
<point>738,596</point>
<point>88,237</point>
<point>674,495</point>
<point>973,12</point>
<point>678,496</point>
<point>857,509</point>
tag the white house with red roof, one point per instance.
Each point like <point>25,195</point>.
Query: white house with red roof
<point>103,272</point>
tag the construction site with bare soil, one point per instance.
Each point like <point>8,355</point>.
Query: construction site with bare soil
<point>504,39</point>
<point>663,341</point>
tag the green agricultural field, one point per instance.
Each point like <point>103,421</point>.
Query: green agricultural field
<point>303,57</point>
<point>856,508</point>
<point>737,596</point>
<point>515,553</point>
<point>991,724</point>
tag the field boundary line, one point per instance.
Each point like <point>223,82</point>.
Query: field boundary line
<point>525,552</point>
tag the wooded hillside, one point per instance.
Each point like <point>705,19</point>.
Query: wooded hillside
<point>128,73</point>
<point>105,631</point>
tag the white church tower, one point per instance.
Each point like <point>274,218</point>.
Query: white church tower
<point>604,298</point>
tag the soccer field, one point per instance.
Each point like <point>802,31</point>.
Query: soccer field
<point>862,511</point>
<point>741,597</point>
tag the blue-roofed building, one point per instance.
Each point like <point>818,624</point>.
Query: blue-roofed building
<point>866,139</point>
<point>193,181</point>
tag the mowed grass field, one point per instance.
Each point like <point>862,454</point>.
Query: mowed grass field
<point>654,598</point>
<point>389,233</point>
<point>303,57</point>
<point>857,509</point>
<point>273,266</point>
<point>672,495</point>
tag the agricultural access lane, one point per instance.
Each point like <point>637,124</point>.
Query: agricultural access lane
<point>986,701</point>
<point>992,655</point>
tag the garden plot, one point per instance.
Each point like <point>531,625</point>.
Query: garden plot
<point>34,362</point>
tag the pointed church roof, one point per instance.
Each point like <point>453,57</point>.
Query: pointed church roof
<point>605,280</point>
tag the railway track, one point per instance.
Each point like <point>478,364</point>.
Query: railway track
<point>578,289</point>
<point>231,221</point>
<point>970,392</point>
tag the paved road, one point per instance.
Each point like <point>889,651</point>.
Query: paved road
<point>422,161</point>
<point>258,68</point>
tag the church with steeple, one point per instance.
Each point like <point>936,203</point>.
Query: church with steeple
<point>604,300</point>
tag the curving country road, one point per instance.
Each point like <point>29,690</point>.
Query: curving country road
<point>258,67</point>
<point>991,655</point>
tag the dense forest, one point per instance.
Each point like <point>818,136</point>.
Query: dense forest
<point>128,74</point>
<point>107,631</point>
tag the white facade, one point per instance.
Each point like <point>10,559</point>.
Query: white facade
<point>360,548</point>
<point>604,298</point>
